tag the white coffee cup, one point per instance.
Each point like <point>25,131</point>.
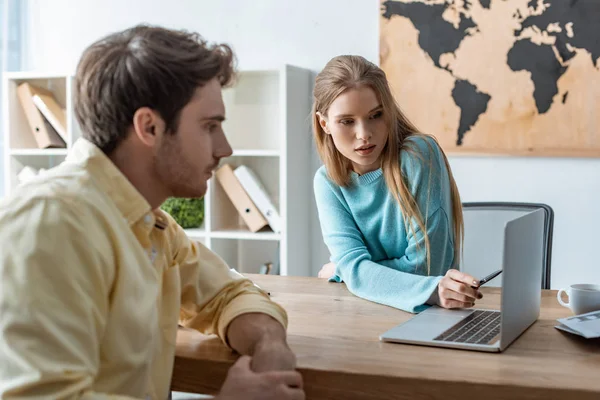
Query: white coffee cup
<point>583,298</point>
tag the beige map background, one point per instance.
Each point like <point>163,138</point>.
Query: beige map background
<point>511,124</point>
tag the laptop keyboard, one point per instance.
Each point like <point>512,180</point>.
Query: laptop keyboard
<point>479,327</point>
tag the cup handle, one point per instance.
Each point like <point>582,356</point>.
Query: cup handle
<point>560,300</point>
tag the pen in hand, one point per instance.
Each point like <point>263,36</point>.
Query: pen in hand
<point>487,279</point>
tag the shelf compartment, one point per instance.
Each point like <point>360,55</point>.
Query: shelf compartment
<point>247,256</point>
<point>224,216</point>
<point>18,162</point>
<point>20,135</point>
<point>252,109</point>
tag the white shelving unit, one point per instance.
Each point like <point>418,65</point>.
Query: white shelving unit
<point>20,148</point>
<point>268,127</point>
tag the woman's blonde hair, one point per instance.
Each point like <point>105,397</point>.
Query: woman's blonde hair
<point>346,72</point>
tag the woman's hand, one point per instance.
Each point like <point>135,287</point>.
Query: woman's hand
<point>455,290</point>
<point>327,271</point>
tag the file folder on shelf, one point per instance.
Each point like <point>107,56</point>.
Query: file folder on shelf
<point>43,132</point>
<point>258,194</point>
<point>240,199</point>
<point>53,112</point>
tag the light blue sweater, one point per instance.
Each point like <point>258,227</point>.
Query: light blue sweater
<point>364,231</point>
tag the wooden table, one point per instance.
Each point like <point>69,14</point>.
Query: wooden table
<point>335,337</point>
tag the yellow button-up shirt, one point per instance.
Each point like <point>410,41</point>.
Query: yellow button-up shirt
<point>94,282</point>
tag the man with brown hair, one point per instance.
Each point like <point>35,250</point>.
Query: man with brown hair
<point>95,277</point>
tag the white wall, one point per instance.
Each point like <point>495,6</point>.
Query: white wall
<point>262,32</point>
<point>570,186</point>
<point>308,33</point>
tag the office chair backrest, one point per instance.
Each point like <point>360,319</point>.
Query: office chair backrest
<point>484,237</point>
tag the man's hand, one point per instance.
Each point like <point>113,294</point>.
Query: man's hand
<point>244,383</point>
<point>327,271</point>
<point>270,373</point>
<point>455,290</point>
<point>273,354</point>
<point>263,338</point>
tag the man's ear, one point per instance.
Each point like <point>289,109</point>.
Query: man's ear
<point>323,122</point>
<point>146,125</point>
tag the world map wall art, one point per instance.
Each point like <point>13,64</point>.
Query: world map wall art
<point>506,77</point>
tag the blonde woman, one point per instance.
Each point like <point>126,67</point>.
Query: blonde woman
<point>389,208</point>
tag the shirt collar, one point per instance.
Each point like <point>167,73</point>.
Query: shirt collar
<point>130,202</point>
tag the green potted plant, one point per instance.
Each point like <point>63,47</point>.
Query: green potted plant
<point>188,212</point>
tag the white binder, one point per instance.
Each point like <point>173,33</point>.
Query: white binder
<point>258,194</point>
<point>53,112</point>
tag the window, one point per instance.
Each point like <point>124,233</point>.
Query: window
<point>10,57</point>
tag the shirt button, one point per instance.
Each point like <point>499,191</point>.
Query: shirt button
<point>148,219</point>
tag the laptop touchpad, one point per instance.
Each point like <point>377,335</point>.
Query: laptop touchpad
<point>428,324</point>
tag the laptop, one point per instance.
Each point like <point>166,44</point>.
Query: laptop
<point>489,330</point>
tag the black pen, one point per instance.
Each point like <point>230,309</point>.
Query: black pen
<point>488,278</point>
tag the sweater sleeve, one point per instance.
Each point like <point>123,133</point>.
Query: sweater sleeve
<point>441,248</point>
<point>354,265</point>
